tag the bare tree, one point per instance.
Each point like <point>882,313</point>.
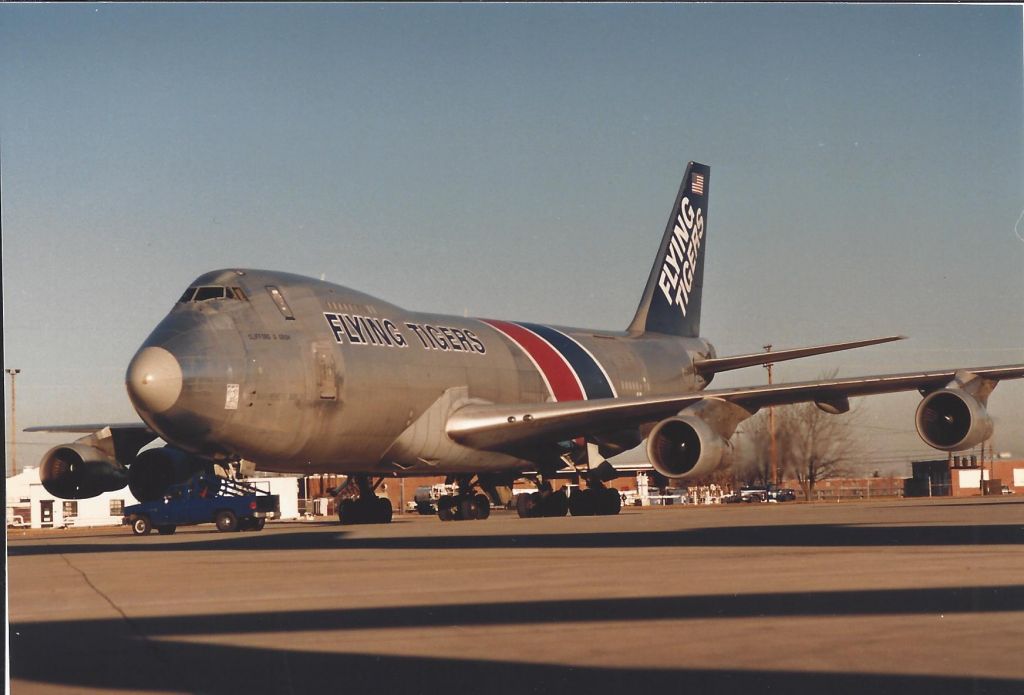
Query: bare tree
<point>751,459</point>
<point>817,444</point>
<point>811,445</point>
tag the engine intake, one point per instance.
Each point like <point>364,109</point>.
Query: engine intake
<point>155,470</point>
<point>685,447</point>
<point>80,471</point>
<point>952,420</point>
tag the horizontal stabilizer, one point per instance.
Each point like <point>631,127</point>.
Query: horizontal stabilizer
<point>724,364</point>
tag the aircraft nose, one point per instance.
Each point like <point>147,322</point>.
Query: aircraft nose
<point>153,380</point>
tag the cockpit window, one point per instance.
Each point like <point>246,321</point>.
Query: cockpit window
<point>204,293</point>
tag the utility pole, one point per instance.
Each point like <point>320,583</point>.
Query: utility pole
<point>771,428</point>
<point>14,426</point>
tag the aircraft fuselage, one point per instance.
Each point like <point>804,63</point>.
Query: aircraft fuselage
<point>298,374</point>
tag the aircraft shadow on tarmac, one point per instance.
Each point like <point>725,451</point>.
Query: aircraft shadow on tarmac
<point>786,536</point>
<point>144,654</point>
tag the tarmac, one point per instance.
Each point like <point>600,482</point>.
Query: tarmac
<point>888,596</point>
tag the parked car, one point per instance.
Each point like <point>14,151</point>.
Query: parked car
<point>753,494</point>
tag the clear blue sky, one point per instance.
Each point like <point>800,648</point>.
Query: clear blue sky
<point>517,161</point>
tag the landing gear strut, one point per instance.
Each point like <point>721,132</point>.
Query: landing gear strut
<point>367,508</point>
<point>468,504</point>
<point>544,502</point>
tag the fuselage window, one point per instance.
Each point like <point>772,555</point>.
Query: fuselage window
<point>187,297</point>
<point>278,298</point>
<point>204,293</point>
<point>238,293</point>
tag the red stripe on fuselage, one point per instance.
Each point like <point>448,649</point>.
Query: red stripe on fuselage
<point>564,385</point>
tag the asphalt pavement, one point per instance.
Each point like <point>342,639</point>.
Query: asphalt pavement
<point>887,596</point>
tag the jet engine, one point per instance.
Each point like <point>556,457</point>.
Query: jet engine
<point>952,420</point>
<point>79,471</point>
<point>685,447</point>
<point>154,470</point>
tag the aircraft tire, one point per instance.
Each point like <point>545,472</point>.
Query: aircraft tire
<point>483,506</point>
<point>526,505</point>
<point>609,502</point>
<point>141,526</point>
<point>446,508</point>
<point>226,521</point>
<point>383,512</point>
<point>556,504</point>
<point>468,508</point>
<point>583,503</point>
<point>166,530</point>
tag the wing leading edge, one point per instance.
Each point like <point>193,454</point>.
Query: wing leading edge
<point>503,427</point>
<point>89,429</point>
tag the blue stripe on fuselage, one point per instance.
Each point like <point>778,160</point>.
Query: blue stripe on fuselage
<point>586,367</point>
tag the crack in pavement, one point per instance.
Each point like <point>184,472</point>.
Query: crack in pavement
<point>152,646</point>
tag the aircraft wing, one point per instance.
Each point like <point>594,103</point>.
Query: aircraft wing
<point>121,440</point>
<point>501,427</point>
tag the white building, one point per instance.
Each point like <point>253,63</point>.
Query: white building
<point>46,511</point>
<point>287,489</point>
<point>26,492</point>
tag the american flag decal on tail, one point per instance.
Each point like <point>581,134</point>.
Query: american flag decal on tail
<point>697,184</point>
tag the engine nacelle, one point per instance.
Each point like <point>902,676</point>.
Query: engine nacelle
<point>80,471</point>
<point>952,420</point>
<point>685,447</point>
<point>154,470</point>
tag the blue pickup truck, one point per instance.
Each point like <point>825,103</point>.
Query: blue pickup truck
<point>205,498</point>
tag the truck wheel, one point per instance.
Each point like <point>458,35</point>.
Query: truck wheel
<point>251,524</point>
<point>166,530</point>
<point>141,526</point>
<point>226,521</point>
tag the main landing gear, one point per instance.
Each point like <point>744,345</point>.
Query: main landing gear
<point>544,502</point>
<point>468,504</point>
<point>367,508</point>
<point>596,499</point>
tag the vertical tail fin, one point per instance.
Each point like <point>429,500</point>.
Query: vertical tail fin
<point>671,300</point>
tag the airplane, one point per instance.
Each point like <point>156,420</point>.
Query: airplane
<point>301,375</point>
